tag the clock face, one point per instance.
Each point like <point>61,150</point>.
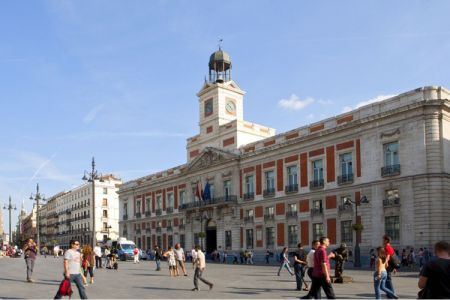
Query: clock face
<point>230,107</point>
<point>208,108</point>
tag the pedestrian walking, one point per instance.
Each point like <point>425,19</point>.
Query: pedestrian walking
<point>56,251</point>
<point>225,256</point>
<point>180,258</point>
<point>299,267</point>
<point>98,256</point>
<point>194,256</point>
<point>321,271</point>
<point>158,256</point>
<point>411,258</point>
<point>267,256</point>
<point>310,263</point>
<point>30,252</point>
<point>136,255</point>
<point>170,255</point>
<point>107,258</point>
<point>434,280</point>
<point>390,257</point>
<point>284,261</point>
<point>200,265</point>
<point>88,262</point>
<point>72,262</point>
<point>420,256</point>
<point>380,275</point>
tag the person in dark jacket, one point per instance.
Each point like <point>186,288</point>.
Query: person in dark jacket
<point>434,278</point>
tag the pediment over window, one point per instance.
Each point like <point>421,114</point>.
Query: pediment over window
<point>209,157</point>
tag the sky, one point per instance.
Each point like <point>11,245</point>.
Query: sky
<point>118,79</point>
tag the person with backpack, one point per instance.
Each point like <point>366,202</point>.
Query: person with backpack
<point>284,261</point>
<point>393,262</point>
<point>72,262</point>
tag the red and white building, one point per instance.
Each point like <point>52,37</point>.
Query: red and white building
<point>271,191</point>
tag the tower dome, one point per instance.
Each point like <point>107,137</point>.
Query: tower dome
<point>219,66</point>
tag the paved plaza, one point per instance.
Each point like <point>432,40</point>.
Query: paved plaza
<point>142,281</point>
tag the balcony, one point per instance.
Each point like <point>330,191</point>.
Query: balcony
<point>68,211</point>
<point>158,212</point>
<point>270,192</point>
<point>318,211</point>
<point>344,179</point>
<point>316,184</point>
<point>269,217</point>
<point>158,230</point>
<point>125,217</point>
<point>181,226</point>
<point>343,208</point>
<point>169,228</point>
<point>249,196</point>
<point>148,213</point>
<point>291,214</point>
<point>391,170</point>
<point>230,199</point>
<point>138,231</point>
<point>249,219</point>
<point>138,215</point>
<point>391,202</point>
<point>291,188</point>
<point>169,210</point>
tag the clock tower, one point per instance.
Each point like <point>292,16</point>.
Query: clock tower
<point>221,111</point>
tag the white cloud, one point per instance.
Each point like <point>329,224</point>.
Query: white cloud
<point>310,117</point>
<point>90,116</point>
<point>367,102</point>
<point>325,102</point>
<point>295,103</point>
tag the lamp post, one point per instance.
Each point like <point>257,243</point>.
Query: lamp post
<point>202,234</point>
<point>348,201</point>
<point>10,207</point>
<point>37,197</point>
<point>91,177</point>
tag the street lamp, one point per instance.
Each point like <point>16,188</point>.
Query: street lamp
<point>10,207</point>
<point>37,197</point>
<point>349,201</point>
<point>202,234</point>
<point>91,177</point>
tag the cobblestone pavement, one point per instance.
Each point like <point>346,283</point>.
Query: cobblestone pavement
<point>142,281</point>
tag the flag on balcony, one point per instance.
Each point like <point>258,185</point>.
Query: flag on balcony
<point>207,192</point>
<point>198,191</point>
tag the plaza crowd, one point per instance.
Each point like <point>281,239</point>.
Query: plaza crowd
<point>434,277</point>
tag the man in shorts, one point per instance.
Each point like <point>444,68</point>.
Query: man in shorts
<point>181,258</point>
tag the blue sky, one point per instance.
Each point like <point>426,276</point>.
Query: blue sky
<point>118,79</point>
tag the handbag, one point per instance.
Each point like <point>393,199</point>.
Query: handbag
<point>394,262</point>
<point>65,288</point>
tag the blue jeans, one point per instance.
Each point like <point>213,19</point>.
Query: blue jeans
<point>380,284</point>
<point>299,272</point>
<point>158,264</point>
<point>389,283</point>
<point>286,265</point>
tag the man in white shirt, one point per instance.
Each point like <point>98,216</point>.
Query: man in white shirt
<point>56,251</point>
<point>200,265</point>
<point>98,256</point>
<point>310,263</point>
<point>193,257</point>
<point>72,263</point>
<point>180,258</point>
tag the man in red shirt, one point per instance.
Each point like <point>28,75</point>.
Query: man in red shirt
<point>321,272</point>
<point>389,253</point>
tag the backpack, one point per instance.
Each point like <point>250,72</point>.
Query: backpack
<point>65,288</point>
<point>394,262</point>
<point>115,266</point>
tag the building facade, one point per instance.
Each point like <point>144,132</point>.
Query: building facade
<point>267,191</point>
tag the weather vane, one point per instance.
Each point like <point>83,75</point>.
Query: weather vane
<point>220,43</point>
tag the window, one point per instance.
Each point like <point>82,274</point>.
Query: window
<point>125,208</point>
<point>317,204</point>
<point>105,202</point>
<point>208,107</point>
<point>105,213</point>
<point>228,240</point>
<point>292,175</point>
<point>159,241</point>
<point>227,188</point>
<point>196,239</point>
<point>138,206</point>
<point>270,210</point>
<point>158,202</point>
<point>270,236</point>
<point>292,235</point>
<point>149,242</point>
<point>105,191</point>
<point>182,240</point>
<point>169,223</point>
<point>317,170</point>
<point>249,238</point>
<point>211,191</point>
<point>346,232</point>
<point>170,240</point>
<point>147,204</point>
<point>182,197</point>
<point>249,213</point>
<point>170,200</point>
<point>105,226</point>
<point>392,195</point>
<point>317,231</point>
<point>392,227</point>
<point>292,207</point>
<point>270,181</point>
<point>391,157</point>
<point>249,184</point>
<point>346,164</point>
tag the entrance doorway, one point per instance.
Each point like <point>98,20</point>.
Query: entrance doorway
<point>211,236</point>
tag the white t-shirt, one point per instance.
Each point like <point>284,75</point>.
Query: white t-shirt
<point>193,254</point>
<point>310,258</point>
<point>179,253</point>
<point>201,263</point>
<point>74,259</point>
<point>98,251</point>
